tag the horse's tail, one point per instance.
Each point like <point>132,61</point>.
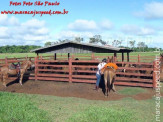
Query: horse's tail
<point>108,79</point>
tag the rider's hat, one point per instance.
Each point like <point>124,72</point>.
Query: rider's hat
<point>104,60</point>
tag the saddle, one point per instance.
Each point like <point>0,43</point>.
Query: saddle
<point>109,65</point>
<point>15,66</point>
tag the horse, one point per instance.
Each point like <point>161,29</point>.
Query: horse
<point>6,71</point>
<point>109,78</point>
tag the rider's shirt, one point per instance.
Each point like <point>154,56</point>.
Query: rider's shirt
<point>100,66</point>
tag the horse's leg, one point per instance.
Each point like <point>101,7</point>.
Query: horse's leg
<point>106,85</point>
<point>21,78</point>
<point>106,89</point>
<point>113,87</point>
<point>4,79</point>
<point>110,82</point>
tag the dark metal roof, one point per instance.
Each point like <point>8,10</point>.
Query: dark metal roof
<point>76,47</point>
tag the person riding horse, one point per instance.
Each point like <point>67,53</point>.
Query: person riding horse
<point>98,73</point>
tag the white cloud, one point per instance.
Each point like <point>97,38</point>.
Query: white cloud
<point>13,21</point>
<point>33,23</point>
<point>136,30</point>
<point>83,25</point>
<point>72,35</point>
<point>6,21</point>
<point>30,32</point>
<point>153,10</point>
<point>4,33</point>
<point>106,25</point>
<point>3,19</point>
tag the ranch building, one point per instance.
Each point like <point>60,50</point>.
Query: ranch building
<point>71,47</point>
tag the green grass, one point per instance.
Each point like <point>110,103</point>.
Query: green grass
<point>19,108</point>
<point>27,107</point>
<point>18,55</point>
<point>131,91</point>
<point>104,114</point>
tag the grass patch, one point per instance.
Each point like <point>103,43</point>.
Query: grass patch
<point>27,107</point>
<point>131,91</point>
<point>19,55</point>
<point>104,114</point>
<point>19,108</point>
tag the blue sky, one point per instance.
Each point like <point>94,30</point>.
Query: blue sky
<point>125,20</point>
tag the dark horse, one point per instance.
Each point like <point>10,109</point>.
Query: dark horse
<point>6,71</point>
<point>109,76</point>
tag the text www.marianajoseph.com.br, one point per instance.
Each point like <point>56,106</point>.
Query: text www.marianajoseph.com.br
<point>50,12</point>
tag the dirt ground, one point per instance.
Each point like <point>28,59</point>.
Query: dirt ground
<point>65,89</point>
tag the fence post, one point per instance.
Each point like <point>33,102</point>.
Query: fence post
<point>72,57</point>
<point>115,57</point>
<point>154,75</point>
<point>70,70</point>
<point>26,57</point>
<point>36,58</point>
<point>92,56</point>
<point>41,57</point>
<point>6,62</point>
<point>138,58</point>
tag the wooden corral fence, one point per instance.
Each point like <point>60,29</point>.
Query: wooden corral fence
<point>71,70</point>
<point>48,68</point>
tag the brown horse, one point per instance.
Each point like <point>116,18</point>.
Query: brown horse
<point>109,76</point>
<point>6,71</point>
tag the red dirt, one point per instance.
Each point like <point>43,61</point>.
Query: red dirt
<point>65,89</point>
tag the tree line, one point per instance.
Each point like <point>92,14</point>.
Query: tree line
<point>17,49</point>
<point>97,39</point>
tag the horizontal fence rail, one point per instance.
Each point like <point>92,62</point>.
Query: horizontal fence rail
<point>66,69</point>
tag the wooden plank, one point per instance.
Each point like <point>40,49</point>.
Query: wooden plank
<point>52,61</point>
<point>83,66</point>
<point>52,75</point>
<point>70,70</point>
<point>47,65</point>
<point>84,71</point>
<point>31,78</point>
<point>133,74</point>
<point>54,70</point>
<point>133,79</point>
<point>133,84</point>
<point>36,68</point>
<point>85,61</point>
<point>84,76</point>
<point>83,81</point>
<point>134,63</point>
<point>128,68</point>
<point>53,79</point>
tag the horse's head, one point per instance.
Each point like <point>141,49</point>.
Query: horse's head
<point>110,60</point>
<point>30,64</point>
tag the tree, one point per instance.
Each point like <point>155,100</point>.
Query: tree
<point>142,45</point>
<point>78,39</point>
<point>62,41</point>
<point>132,43</point>
<point>97,39</point>
<point>17,49</point>
<point>115,43</point>
<point>47,44</point>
